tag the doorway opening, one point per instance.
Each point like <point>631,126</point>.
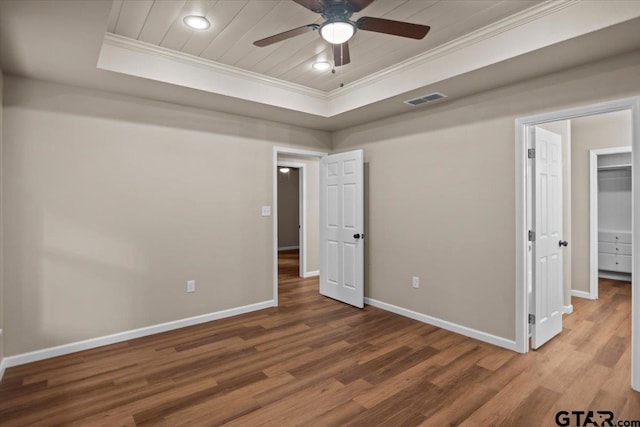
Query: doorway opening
<point>332,230</point>
<point>291,217</point>
<point>610,212</point>
<point>296,214</point>
<point>528,218</point>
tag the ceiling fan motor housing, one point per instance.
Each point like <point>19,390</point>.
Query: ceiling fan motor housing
<point>337,12</point>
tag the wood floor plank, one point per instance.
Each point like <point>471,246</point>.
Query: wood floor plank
<point>538,402</point>
<point>147,408</point>
<point>618,380</point>
<point>394,385</point>
<point>459,406</point>
<point>496,359</point>
<point>631,409</point>
<point>338,416</point>
<point>304,405</point>
<point>402,408</point>
<point>505,402</point>
<point>314,361</point>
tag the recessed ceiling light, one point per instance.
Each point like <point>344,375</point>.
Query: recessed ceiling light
<point>284,170</point>
<point>321,65</point>
<point>196,22</point>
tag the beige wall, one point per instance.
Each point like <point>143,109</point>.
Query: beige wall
<point>587,133</point>
<point>112,203</point>
<point>312,194</point>
<point>563,128</point>
<point>288,208</point>
<point>441,194</point>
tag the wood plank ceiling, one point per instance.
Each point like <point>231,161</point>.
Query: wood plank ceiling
<point>236,24</point>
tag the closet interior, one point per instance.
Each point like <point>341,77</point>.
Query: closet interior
<point>614,216</point>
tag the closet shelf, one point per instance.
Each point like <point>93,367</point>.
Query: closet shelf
<point>610,167</point>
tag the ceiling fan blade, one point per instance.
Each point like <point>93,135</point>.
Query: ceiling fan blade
<point>316,6</point>
<point>358,5</point>
<point>286,35</point>
<point>341,54</point>
<point>395,28</point>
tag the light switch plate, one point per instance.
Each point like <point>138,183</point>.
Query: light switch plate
<point>266,211</point>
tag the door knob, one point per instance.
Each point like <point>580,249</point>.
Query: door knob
<point>356,236</point>
<point>563,243</point>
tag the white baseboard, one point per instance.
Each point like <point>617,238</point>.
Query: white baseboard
<point>453,327</point>
<point>567,309</point>
<point>34,356</point>
<point>288,248</point>
<point>615,276</point>
<point>580,294</point>
<point>311,274</point>
<point>3,366</point>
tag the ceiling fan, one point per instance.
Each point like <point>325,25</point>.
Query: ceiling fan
<point>338,28</point>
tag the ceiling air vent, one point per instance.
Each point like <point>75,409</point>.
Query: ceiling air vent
<point>424,99</point>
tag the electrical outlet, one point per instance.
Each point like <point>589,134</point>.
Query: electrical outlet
<point>191,286</point>
<point>416,282</point>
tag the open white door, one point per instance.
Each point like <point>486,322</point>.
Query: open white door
<point>341,228</point>
<point>548,243</point>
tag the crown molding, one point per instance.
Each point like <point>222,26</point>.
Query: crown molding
<point>124,55</point>
<point>545,24</point>
<point>117,40</point>
<point>509,23</point>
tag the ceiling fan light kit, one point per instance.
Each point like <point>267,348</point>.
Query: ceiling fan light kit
<point>338,27</point>
<point>337,32</point>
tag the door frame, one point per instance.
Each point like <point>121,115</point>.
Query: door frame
<point>593,216</point>
<point>302,213</point>
<point>522,142</point>
<point>274,210</point>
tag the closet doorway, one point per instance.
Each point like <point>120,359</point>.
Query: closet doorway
<point>581,229</point>
<point>611,212</point>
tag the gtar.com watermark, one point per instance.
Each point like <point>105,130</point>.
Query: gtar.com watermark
<point>592,419</point>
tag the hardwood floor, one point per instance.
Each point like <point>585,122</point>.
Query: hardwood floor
<point>316,362</point>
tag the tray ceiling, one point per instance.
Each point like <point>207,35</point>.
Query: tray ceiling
<point>236,24</point>
<point>66,41</point>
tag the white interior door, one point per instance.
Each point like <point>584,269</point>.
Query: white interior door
<point>341,228</point>
<point>547,248</point>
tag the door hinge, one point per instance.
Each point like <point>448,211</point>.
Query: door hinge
<point>532,236</point>
<point>532,319</point>
<point>531,153</point>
